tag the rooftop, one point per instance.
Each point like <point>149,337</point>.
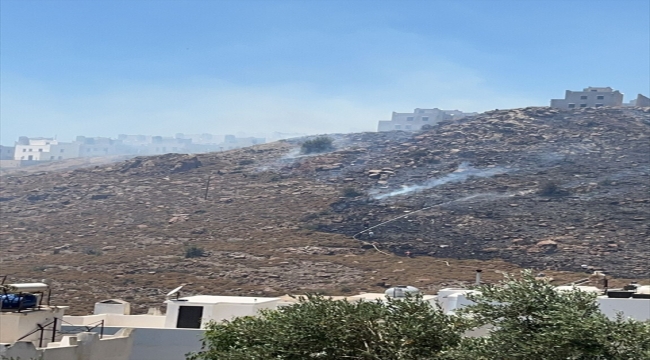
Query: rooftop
<point>212,299</point>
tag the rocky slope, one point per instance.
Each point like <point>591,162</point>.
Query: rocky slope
<point>535,187</point>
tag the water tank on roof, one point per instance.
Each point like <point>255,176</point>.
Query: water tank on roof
<point>28,287</point>
<point>400,291</point>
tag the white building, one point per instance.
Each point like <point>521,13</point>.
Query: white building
<point>99,146</point>
<point>44,149</point>
<point>35,331</point>
<point>418,118</point>
<point>179,331</point>
<point>589,97</point>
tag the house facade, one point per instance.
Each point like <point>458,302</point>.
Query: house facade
<point>418,118</point>
<point>589,97</point>
<point>44,149</point>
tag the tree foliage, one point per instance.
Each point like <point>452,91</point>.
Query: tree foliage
<point>321,328</point>
<point>527,319</point>
<point>532,319</point>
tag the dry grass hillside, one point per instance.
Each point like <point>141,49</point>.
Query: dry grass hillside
<point>563,192</point>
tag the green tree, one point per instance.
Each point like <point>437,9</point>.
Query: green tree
<point>527,319</point>
<point>531,319</point>
<point>321,328</point>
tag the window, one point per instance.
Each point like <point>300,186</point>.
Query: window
<point>397,127</point>
<point>106,149</point>
<point>40,150</point>
<point>583,105</point>
<point>410,118</point>
<point>51,157</point>
<point>30,157</point>
<point>88,150</point>
<point>60,157</point>
<point>24,150</point>
<point>189,317</point>
<point>583,97</point>
<point>594,90</point>
<point>407,127</point>
<point>62,150</point>
<point>599,105</point>
<point>22,158</point>
<point>425,118</point>
<point>30,149</point>
<point>571,106</point>
<point>600,97</point>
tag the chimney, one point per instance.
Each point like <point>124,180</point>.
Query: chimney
<point>478,276</point>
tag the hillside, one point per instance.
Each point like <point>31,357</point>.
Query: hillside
<point>537,187</point>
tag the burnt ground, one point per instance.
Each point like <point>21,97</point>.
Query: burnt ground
<point>563,192</point>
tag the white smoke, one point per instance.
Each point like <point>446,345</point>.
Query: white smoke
<point>461,174</point>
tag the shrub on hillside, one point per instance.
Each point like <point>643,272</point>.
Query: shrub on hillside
<point>194,251</point>
<point>351,192</point>
<point>317,145</point>
<point>551,188</point>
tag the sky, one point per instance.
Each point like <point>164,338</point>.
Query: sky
<point>103,68</point>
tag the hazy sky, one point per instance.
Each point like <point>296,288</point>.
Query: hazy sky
<point>100,68</point>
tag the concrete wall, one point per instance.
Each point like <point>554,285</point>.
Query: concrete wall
<point>642,101</point>
<point>118,307</point>
<point>9,164</point>
<point>15,325</point>
<point>638,309</point>
<point>118,320</point>
<point>83,346</point>
<point>161,344</point>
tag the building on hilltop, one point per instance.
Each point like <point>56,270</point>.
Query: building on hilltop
<point>641,101</point>
<point>44,149</point>
<point>418,118</point>
<point>7,152</point>
<point>589,97</point>
<point>99,146</point>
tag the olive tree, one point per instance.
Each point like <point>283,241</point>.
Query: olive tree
<point>322,328</point>
<point>531,319</point>
<point>528,319</point>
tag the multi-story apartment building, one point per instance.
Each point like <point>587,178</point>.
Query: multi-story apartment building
<point>589,97</point>
<point>99,146</point>
<point>44,149</point>
<point>418,118</point>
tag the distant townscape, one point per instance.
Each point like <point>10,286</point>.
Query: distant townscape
<point>587,98</point>
<point>29,151</point>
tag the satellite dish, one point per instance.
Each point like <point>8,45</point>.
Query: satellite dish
<point>175,291</point>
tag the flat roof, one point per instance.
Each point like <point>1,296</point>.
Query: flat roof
<point>212,299</point>
<point>364,296</point>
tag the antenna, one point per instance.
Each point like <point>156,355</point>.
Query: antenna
<point>176,292</point>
